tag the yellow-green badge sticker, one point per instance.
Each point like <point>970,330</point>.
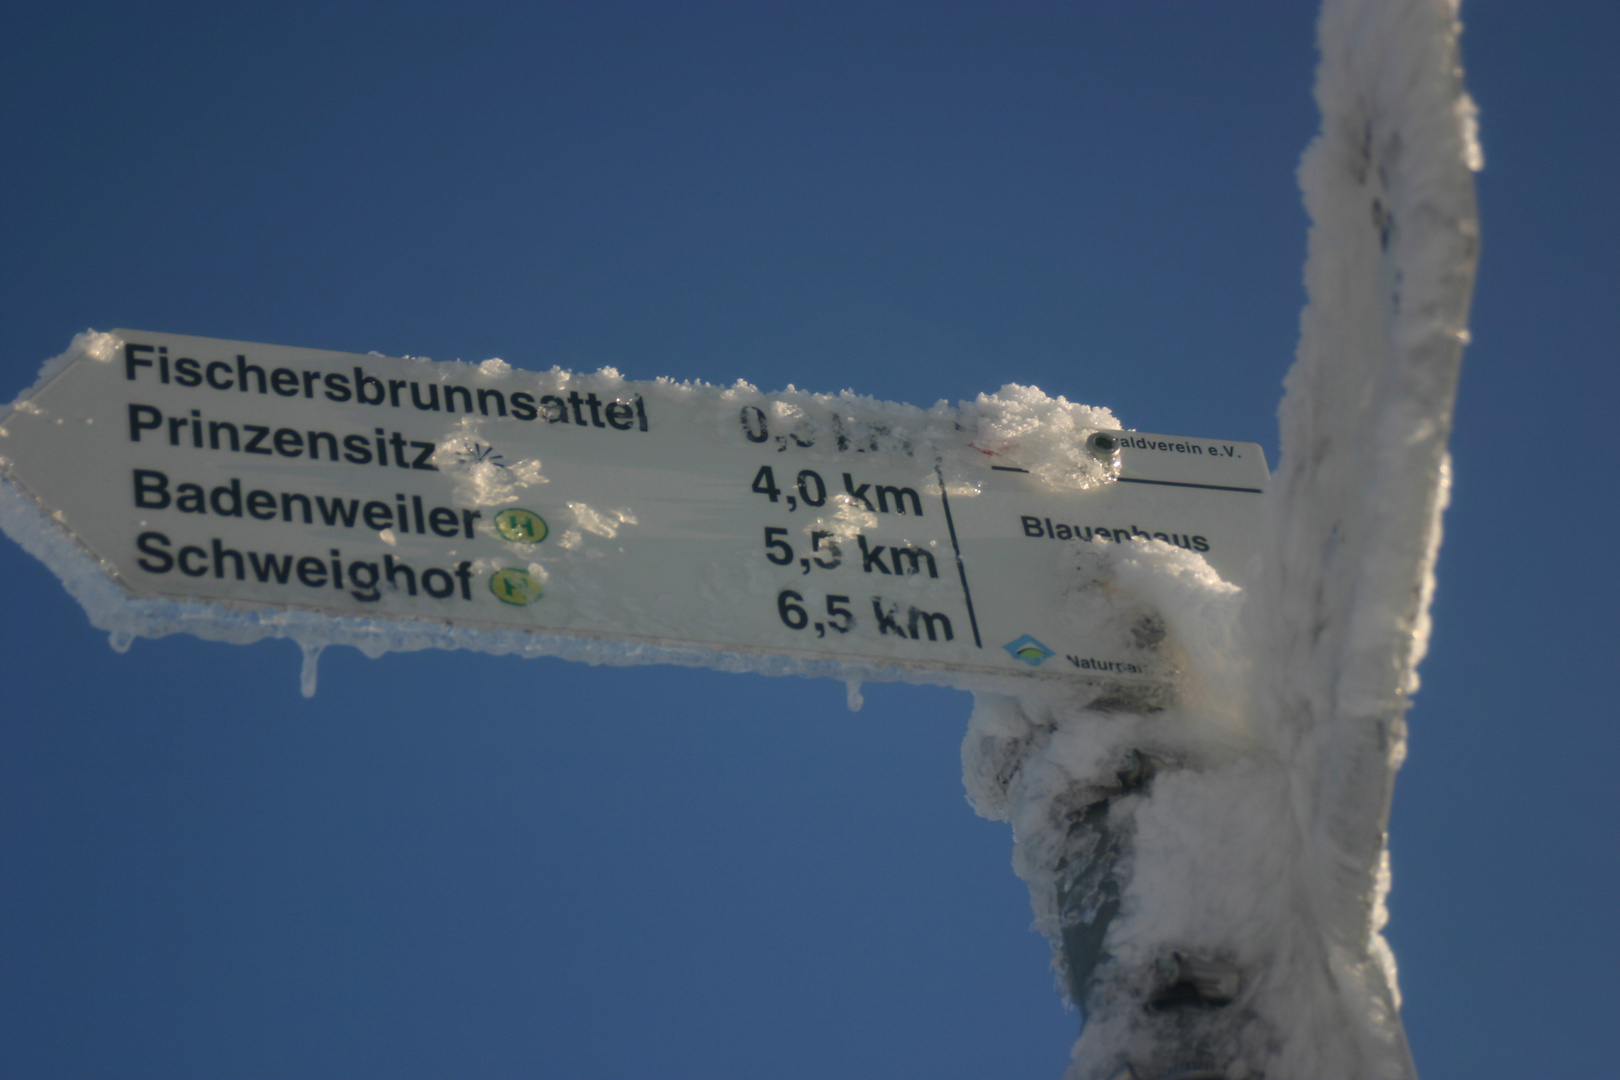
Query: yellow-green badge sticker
<point>520,526</point>
<point>514,586</point>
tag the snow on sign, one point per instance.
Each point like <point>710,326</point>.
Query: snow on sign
<point>683,516</point>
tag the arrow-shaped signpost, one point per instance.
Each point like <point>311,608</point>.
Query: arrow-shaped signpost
<point>398,498</point>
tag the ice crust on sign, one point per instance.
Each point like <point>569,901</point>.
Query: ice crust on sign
<point>1018,426</point>
<point>1243,825</point>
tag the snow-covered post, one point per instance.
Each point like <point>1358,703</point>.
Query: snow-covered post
<point>1211,868</point>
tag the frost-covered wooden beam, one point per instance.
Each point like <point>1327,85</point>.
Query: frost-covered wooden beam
<point>1212,875</point>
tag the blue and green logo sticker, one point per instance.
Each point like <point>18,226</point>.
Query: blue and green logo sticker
<point>515,586</point>
<point>520,526</point>
<point>1028,650</point>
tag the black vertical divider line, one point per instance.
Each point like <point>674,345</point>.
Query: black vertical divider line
<point>961,568</point>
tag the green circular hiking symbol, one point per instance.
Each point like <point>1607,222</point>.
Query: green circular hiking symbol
<point>514,586</point>
<point>520,526</point>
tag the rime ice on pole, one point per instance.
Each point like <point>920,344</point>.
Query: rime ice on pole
<point>1212,874</point>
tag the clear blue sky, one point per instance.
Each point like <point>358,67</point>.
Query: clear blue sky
<point>449,864</point>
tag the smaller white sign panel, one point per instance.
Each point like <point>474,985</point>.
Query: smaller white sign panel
<point>587,506</point>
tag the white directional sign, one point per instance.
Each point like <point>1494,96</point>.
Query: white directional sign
<point>588,506</point>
